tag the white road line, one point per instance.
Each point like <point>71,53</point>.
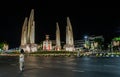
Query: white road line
<point>13,64</point>
<point>78,71</point>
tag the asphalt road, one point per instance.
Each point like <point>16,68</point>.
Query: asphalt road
<point>61,67</point>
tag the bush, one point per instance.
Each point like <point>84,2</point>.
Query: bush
<point>53,52</point>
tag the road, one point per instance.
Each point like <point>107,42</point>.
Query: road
<point>61,67</point>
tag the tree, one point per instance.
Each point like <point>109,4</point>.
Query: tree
<point>1,45</point>
<point>100,42</point>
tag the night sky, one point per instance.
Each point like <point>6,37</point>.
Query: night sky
<point>85,21</point>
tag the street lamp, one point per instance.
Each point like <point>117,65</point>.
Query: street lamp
<point>85,37</point>
<point>86,42</point>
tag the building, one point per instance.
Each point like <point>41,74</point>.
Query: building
<point>94,42</point>
<point>79,44</point>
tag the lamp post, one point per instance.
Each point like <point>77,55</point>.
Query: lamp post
<point>86,42</point>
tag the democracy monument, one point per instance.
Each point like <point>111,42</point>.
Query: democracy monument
<point>28,36</point>
<point>69,46</point>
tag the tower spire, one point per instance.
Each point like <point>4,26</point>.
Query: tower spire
<point>28,34</point>
<point>24,32</point>
<point>69,36</point>
<point>58,44</point>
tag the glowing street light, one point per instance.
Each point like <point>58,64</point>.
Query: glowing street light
<point>85,37</point>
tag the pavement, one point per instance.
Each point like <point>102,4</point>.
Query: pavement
<point>36,66</point>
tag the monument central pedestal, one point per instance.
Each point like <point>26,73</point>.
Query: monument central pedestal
<point>29,47</point>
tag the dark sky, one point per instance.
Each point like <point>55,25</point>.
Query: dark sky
<point>85,21</point>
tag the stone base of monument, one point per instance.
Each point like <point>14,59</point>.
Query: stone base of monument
<point>57,48</point>
<point>29,47</point>
<point>69,47</point>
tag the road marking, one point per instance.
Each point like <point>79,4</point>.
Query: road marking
<point>13,64</point>
<point>39,67</point>
<point>78,71</point>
